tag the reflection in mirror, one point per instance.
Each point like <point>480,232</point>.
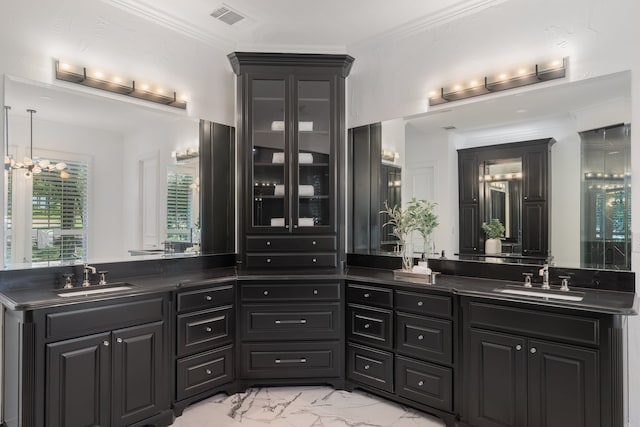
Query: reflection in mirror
<point>503,189</point>
<point>123,193</point>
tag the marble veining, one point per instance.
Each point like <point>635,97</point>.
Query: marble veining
<point>302,407</point>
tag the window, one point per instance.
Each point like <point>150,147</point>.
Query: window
<point>179,205</point>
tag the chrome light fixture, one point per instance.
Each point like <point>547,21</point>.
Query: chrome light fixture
<point>524,76</point>
<point>30,164</point>
<point>117,84</point>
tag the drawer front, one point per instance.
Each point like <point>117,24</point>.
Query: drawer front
<point>292,260</point>
<point>559,327</point>
<point>203,330</point>
<point>291,244</point>
<point>424,383</point>
<point>204,371</point>
<point>428,305</point>
<point>369,295</point>
<point>290,292</point>
<point>425,338</point>
<point>205,298</point>
<point>370,366</point>
<point>67,324</point>
<point>291,360</point>
<point>370,325</point>
<point>261,322</point>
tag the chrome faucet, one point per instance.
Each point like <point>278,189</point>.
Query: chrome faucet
<point>544,272</point>
<point>88,268</point>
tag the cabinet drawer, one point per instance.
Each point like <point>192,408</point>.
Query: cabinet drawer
<point>205,298</point>
<point>291,360</point>
<point>565,328</point>
<point>67,324</point>
<point>370,325</point>
<point>290,291</point>
<point>424,337</point>
<point>204,330</point>
<point>370,366</point>
<point>203,372</point>
<point>424,383</point>
<point>290,322</point>
<point>429,305</point>
<point>291,260</point>
<point>370,295</point>
<point>290,244</point>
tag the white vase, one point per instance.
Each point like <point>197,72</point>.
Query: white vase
<point>492,246</point>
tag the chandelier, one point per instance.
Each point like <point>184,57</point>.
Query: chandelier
<point>30,164</point>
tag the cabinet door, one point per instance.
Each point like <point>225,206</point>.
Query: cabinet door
<point>497,393</point>
<point>469,174</point>
<point>268,156</point>
<point>564,389</point>
<point>469,229</point>
<point>78,382</point>
<point>535,230</point>
<point>534,171</point>
<point>139,372</point>
<point>314,180</point>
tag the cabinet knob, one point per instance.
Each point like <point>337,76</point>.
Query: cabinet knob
<point>208,297</point>
<point>420,303</point>
<point>366,295</point>
<point>268,260</point>
<point>105,343</point>
<point>367,325</point>
<point>533,350</point>
<point>208,329</point>
<point>265,293</point>
<point>208,371</point>
<point>518,347</point>
<point>295,225</point>
<point>313,243</point>
<point>315,292</point>
<point>475,249</point>
<point>268,243</point>
<point>366,367</point>
<point>475,199</point>
<point>525,197</point>
<point>420,337</point>
<point>314,260</point>
<point>286,226</point>
<point>420,383</point>
<point>119,340</point>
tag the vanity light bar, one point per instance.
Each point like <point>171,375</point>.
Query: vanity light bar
<point>522,77</point>
<point>116,84</point>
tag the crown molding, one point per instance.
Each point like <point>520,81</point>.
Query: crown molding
<point>456,11</point>
<point>148,12</point>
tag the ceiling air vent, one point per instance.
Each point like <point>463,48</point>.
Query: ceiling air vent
<point>226,15</point>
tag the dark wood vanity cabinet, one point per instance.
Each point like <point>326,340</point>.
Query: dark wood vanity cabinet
<point>401,344</point>
<point>102,363</point>
<point>527,203</point>
<point>530,367</point>
<point>204,338</point>
<point>291,125</point>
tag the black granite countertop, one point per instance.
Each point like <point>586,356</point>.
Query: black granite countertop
<point>601,301</point>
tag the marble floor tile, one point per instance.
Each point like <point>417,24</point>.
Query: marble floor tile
<point>301,407</point>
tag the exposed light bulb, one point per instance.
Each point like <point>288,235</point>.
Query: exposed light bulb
<point>432,94</point>
<point>457,87</point>
<point>144,86</point>
<point>473,83</point>
<point>117,80</point>
<point>503,76</point>
<point>98,74</point>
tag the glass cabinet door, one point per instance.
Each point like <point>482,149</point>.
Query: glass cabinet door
<point>313,156</point>
<point>269,172</point>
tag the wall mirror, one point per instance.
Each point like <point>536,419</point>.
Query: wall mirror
<point>575,115</point>
<point>130,190</point>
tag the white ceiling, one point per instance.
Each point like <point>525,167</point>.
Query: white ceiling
<point>303,25</point>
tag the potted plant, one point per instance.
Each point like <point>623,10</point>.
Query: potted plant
<point>418,216</point>
<point>494,231</point>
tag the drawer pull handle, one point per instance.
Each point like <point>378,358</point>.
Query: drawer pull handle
<point>265,293</point>
<point>533,350</point>
<point>313,243</point>
<point>315,292</point>
<point>367,325</point>
<point>208,329</point>
<point>208,371</point>
<point>420,383</point>
<point>518,347</point>
<point>268,260</point>
<point>268,243</point>
<point>301,360</point>
<point>291,322</point>
<point>420,337</point>
<point>105,343</point>
<point>208,297</point>
<point>420,303</point>
<point>366,367</point>
<point>119,340</point>
<point>367,295</point>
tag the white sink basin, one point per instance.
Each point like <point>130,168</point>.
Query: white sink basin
<point>542,293</point>
<point>93,290</point>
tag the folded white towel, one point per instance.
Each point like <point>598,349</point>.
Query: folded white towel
<point>278,190</point>
<point>277,158</point>
<point>420,269</point>
<point>305,158</point>
<point>305,126</point>
<point>305,190</point>
<point>277,222</point>
<point>305,222</point>
<point>277,125</point>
